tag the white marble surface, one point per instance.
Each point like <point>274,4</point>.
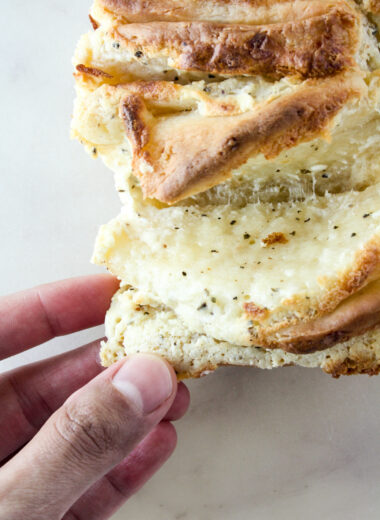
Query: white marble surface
<point>288,444</point>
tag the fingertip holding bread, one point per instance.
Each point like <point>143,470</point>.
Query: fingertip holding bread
<point>244,138</point>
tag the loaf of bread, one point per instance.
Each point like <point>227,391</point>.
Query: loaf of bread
<point>244,136</point>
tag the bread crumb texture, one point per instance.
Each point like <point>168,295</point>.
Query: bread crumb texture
<point>244,136</point>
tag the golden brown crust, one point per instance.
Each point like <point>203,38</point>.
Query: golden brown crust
<point>352,368</point>
<point>196,374</point>
<point>134,114</point>
<point>91,71</point>
<point>355,316</point>
<point>315,47</point>
<point>355,363</point>
<point>94,23</point>
<point>236,11</point>
<point>254,311</point>
<point>175,163</point>
<point>366,269</point>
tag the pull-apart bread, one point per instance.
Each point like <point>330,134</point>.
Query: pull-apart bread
<point>245,138</point>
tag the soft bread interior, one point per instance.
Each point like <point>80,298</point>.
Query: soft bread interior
<point>292,260</point>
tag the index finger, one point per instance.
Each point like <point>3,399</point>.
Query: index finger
<point>37,315</point>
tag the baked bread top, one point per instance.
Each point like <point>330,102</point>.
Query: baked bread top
<point>321,48</point>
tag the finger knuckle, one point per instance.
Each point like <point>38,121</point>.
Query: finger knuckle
<point>87,431</point>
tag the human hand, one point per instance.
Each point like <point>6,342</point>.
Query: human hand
<point>77,440</point>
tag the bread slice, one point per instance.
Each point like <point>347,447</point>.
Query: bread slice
<point>137,324</point>
<point>244,137</point>
<point>162,110</point>
<point>253,274</point>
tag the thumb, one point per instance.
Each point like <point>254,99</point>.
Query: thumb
<point>92,432</point>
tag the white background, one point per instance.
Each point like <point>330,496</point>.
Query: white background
<point>287,444</point>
